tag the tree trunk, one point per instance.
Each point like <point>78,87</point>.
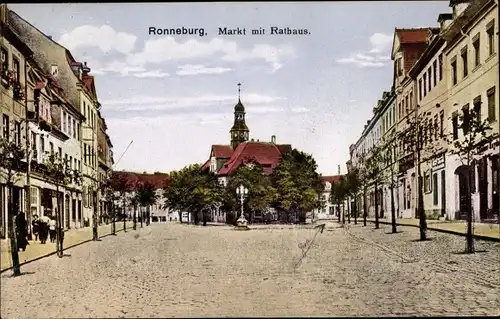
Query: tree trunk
<point>95,235</point>
<point>420,204</point>
<point>338,212</point>
<point>349,208</point>
<point>113,224</point>
<point>355,209</point>
<point>470,238</point>
<point>124,214</point>
<point>59,240</point>
<point>204,218</point>
<point>343,213</point>
<point>135,218</point>
<point>393,210</point>
<point>16,268</point>
<point>376,206</point>
<point>180,216</point>
<point>365,208</point>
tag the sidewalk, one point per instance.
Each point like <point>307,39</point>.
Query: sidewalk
<point>73,237</point>
<point>458,227</point>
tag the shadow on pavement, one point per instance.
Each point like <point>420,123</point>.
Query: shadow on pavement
<point>418,240</point>
<point>463,252</point>
<point>22,274</point>
<point>397,232</point>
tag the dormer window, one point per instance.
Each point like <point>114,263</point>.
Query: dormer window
<point>54,70</point>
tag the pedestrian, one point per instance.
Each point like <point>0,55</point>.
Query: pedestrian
<point>52,229</point>
<point>35,226</point>
<point>43,229</point>
<point>21,231</point>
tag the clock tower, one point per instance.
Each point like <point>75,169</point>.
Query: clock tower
<point>239,131</point>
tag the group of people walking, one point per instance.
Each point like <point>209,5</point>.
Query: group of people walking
<point>44,227</point>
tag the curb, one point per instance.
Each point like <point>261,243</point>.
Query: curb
<point>452,232</point>
<point>54,252</point>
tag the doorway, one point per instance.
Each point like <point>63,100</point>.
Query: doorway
<point>464,198</point>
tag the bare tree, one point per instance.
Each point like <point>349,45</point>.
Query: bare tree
<point>373,172</point>
<point>389,147</point>
<point>475,137</point>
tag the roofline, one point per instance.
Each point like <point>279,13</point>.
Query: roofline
<point>428,53</point>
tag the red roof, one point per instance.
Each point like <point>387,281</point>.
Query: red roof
<point>135,180</point>
<point>414,35</point>
<point>222,151</point>
<point>265,154</point>
<point>331,179</point>
<point>88,81</point>
<point>205,166</point>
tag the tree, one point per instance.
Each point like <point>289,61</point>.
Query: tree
<point>475,136</point>
<point>389,156</point>
<point>59,172</point>
<point>373,173</point>
<point>107,186</point>
<point>134,202</point>
<point>121,184</point>
<point>145,197</point>
<point>297,184</point>
<point>193,191</point>
<point>261,193</point>
<point>339,192</point>
<point>354,187</point>
<point>12,155</point>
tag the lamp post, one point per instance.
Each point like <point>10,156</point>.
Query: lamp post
<point>242,191</point>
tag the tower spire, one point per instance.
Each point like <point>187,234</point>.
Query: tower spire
<point>239,91</point>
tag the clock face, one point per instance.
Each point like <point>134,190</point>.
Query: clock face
<point>242,134</point>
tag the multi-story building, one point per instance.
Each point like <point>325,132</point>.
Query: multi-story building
<point>329,209</point>
<point>79,87</point>
<point>105,161</point>
<point>13,54</point>
<point>440,74</point>
<point>471,55</point>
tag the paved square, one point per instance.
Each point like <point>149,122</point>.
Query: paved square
<point>191,271</point>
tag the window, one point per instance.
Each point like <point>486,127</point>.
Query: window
<point>440,58</point>
<point>425,85</point>
<point>441,124</point>
<point>67,124</point>
<point>454,123</point>
<point>60,152</point>
<point>71,162</point>
<point>33,144</point>
<point>74,128</point>
<point>65,159</point>
<point>17,132</point>
<point>78,131</point>
<point>454,72</point>
<point>435,128</point>
<point>434,73</point>
<point>51,145</point>
<point>400,113</point>
<point>5,59</point>
<point>477,107</point>
<point>420,89</point>
<point>63,121</point>
<point>491,104</point>
<point>465,119</point>
<point>427,182</point>
<point>411,100</point>
<point>435,188</point>
<point>477,51</point>
<point>16,68</point>
<point>398,67</point>
<point>85,153</point>
<point>429,75</point>
<point>407,106</point>
<point>79,165</point>
<point>465,62</point>
<point>490,31</point>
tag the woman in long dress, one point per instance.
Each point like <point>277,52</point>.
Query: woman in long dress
<point>21,231</point>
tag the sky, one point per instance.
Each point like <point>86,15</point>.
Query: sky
<point>174,95</point>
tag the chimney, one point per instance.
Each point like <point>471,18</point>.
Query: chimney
<point>86,69</point>
<point>4,12</point>
<point>273,139</point>
<point>49,36</point>
<point>339,169</point>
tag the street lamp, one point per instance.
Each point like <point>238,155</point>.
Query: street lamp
<point>242,191</point>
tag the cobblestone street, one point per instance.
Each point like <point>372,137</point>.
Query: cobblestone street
<point>191,271</point>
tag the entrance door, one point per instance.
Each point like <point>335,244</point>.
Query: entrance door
<point>483,188</point>
<point>443,193</point>
<point>463,192</point>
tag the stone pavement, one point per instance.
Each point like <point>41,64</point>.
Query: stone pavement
<point>456,226</point>
<point>173,270</point>
<point>72,237</point>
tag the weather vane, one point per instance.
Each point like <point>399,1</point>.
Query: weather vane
<point>239,91</point>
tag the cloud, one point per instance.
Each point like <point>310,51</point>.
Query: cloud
<point>103,37</point>
<point>376,57</point>
<point>165,49</point>
<point>151,74</point>
<point>195,69</point>
<point>300,110</point>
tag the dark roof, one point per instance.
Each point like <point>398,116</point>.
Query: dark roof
<point>222,151</point>
<point>239,106</point>
<point>136,180</point>
<point>331,179</point>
